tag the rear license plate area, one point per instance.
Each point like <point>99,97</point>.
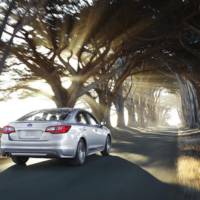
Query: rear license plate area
<point>30,134</point>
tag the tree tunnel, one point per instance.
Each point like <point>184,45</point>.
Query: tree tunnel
<point>142,74</point>
<point>133,63</point>
<point>151,100</point>
<point>154,102</point>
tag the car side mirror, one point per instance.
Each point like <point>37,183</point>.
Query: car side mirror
<point>102,124</point>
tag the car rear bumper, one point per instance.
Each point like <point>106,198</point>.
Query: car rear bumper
<point>62,146</point>
<point>35,151</point>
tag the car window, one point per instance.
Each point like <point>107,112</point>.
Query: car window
<point>92,120</point>
<point>80,118</point>
<point>46,115</point>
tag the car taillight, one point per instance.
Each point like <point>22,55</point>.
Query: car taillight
<point>8,130</point>
<point>58,129</point>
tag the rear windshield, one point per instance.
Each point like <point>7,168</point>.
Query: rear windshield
<point>46,115</point>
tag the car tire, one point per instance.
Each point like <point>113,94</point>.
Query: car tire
<point>80,153</point>
<point>107,147</point>
<point>19,160</point>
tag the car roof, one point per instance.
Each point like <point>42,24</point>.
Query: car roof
<point>62,109</point>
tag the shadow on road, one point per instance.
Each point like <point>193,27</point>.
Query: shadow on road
<point>100,179</point>
<point>159,150</point>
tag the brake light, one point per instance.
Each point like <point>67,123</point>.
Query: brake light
<point>58,129</point>
<point>8,130</point>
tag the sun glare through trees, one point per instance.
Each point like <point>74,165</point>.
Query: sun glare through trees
<point>132,66</point>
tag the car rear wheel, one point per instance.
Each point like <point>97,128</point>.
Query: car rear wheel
<point>107,147</point>
<point>80,153</point>
<point>19,160</point>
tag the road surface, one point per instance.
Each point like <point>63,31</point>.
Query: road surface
<point>141,167</point>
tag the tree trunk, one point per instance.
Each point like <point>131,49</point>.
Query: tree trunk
<point>189,100</point>
<point>95,107</point>
<point>119,105</point>
<point>131,116</point>
<point>64,97</point>
<point>105,107</point>
<point>141,113</point>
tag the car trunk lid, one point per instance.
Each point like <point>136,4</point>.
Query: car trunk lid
<point>31,130</point>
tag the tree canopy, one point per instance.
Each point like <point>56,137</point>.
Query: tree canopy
<point>96,44</point>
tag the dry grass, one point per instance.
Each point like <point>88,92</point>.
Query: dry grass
<point>188,172</point>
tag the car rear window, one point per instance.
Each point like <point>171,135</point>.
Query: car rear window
<point>46,115</point>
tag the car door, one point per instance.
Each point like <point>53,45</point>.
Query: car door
<point>97,131</point>
<point>85,130</point>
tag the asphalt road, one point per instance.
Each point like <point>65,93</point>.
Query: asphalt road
<point>141,167</point>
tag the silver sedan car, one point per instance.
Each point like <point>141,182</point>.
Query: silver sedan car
<point>55,133</point>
